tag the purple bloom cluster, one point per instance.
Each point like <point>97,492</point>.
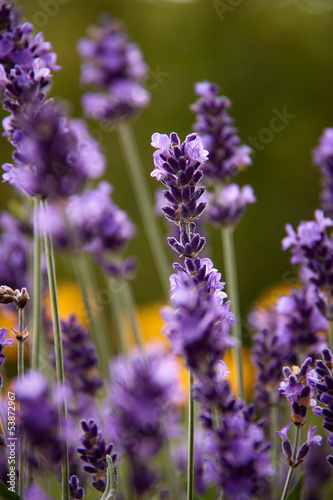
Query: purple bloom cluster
<point>239,459</point>
<point>298,388</point>
<point>312,248</point>
<point>323,158</point>
<point>113,65</point>
<point>80,359</point>
<point>198,322</point>
<point>39,420</point>
<point>25,60</point>
<point>324,386</point>
<point>75,491</point>
<point>4,341</point>
<point>53,156</point>
<point>227,206</point>
<point>219,136</point>
<point>177,166</point>
<point>93,452</point>
<point>143,394</point>
<point>15,246</point>
<point>284,333</point>
<point>312,438</point>
<point>97,223</point>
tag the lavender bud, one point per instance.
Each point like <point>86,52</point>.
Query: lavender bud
<point>302,453</point>
<point>287,449</point>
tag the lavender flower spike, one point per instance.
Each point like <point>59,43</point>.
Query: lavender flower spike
<point>226,207</point>
<point>114,66</point>
<point>178,167</point>
<point>93,452</point>
<point>219,136</point>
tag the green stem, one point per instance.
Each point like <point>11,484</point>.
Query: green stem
<point>330,312</point>
<point>274,424</point>
<point>58,354</point>
<point>232,288</point>
<point>37,292</point>
<point>20,375</point>
<point>143,198</point>
<point>190,460</point>
<point>116,311</point>
<point>292,467</point>
<point>99,332</point>
<point>130,303</point>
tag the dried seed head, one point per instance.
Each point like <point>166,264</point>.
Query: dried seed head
<point>21,335</point>
<point>21,298</point>
<point>7,294</point>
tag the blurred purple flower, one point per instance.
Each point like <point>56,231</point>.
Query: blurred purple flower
<point>114,67</point>
<point>323,158</point>
<point>219,136</point>
<point>226,207</point>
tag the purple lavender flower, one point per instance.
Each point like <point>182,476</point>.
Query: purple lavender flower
<point>39,421</point>
<point>113,65</point>
<point>25,59</point>
<point>219,136</point>
<point>80,359</point>
<point>143,394</point>
<point>15,247</point>
<point>177,166</point>
<point>227,206</point>
<point>323,158</point>
<point>324,386</point>
<point>97,223</point>
<point>300,323</point>
<point>198,322</point>
<point>298,390</point>
<point>93,452</point>
<point>238,456</point>
<point>312,248</point>
<point>75,492</point>
<point>4,341</point>
<point>51,156</point>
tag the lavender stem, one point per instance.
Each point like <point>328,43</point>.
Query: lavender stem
<point>232,289</point>
<point>20,375</point>
<point>141,191</point>
<point>190,461</point>
<point>58,353</point>
<point>99,333</point>
<point>130,303</point>
<point>37,291</point>
<point>116,311</point>
<point>292,467</point>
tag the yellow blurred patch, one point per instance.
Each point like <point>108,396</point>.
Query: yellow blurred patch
<point>69,301</point>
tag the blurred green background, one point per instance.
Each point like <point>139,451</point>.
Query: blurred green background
<point>266,56</point>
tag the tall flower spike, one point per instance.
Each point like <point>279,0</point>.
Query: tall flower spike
<point>178,167</point>
<point>226,207</point>
<point>53,155</point>
<point>114,66</point>
<point>219,136</point>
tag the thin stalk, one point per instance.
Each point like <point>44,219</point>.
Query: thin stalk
<point>232,288</point>
<point>190,455</point>
<point>136,328</point>
<point>58,354</point>
<point>116,311</point>
<point>142,195</point>
<point>37,292</point>
<point>330,315</point>
<point>99,332</point>
<point>20,375</point>
<point>292,467</point>
<point>274,424</point>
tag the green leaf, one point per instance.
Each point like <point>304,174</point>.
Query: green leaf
<point>111,481</point>
<point>6,494</point>
<point>295,493</point>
